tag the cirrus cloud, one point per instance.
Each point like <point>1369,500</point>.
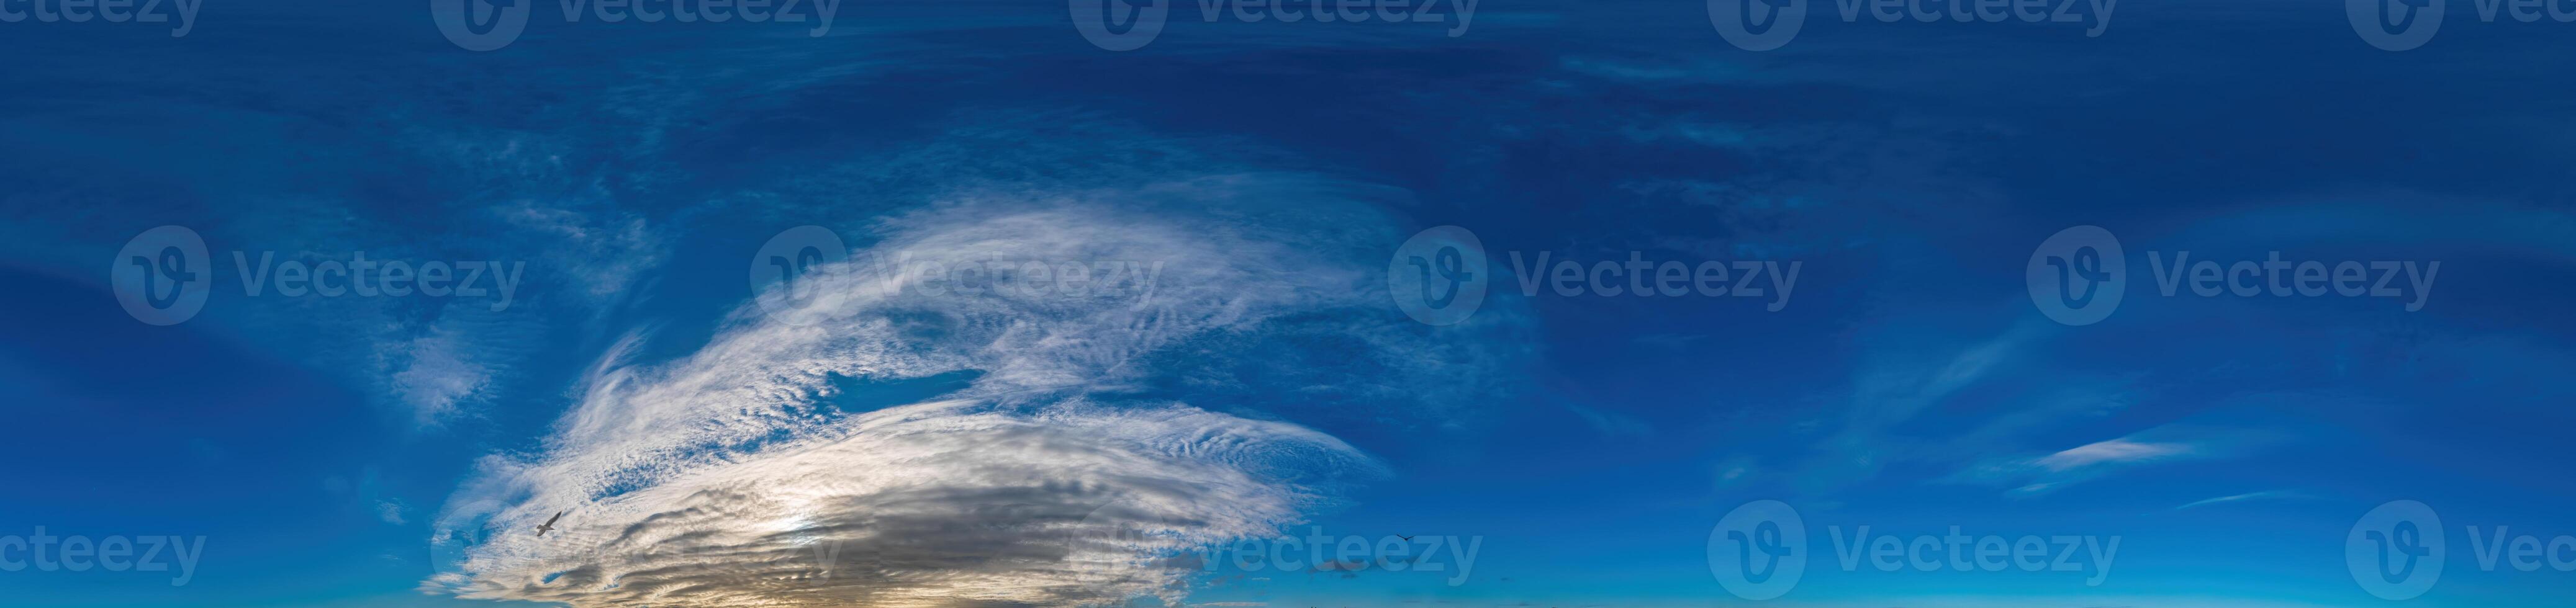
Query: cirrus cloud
<point>755,471</point>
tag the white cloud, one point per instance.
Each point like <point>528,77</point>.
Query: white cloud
<point>1611,423</point>
<point>2043,473</point>
<point>738,475</point>
<point>1895,389</point>
<point>604,251</point>
<point>2117,451</point>
<point>435,373</point>
<point>2263,495</point>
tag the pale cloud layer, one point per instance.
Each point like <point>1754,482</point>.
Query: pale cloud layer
<point>738,474</point>
<point>2119,451</point>
<point>2263,495</point>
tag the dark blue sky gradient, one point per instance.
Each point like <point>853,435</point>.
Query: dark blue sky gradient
<point>1910,168</point>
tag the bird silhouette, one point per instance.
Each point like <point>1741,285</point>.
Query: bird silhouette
<point>550,523</point>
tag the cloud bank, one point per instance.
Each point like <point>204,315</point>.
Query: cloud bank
<point>1057,466</point>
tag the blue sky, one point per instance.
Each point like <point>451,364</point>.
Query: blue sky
<point>1242,357</point>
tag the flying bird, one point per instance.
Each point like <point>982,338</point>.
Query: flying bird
<point>1406,538</point>
<point>550,523</point>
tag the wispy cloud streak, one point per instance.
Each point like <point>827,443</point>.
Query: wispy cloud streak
<point>746,473</point>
